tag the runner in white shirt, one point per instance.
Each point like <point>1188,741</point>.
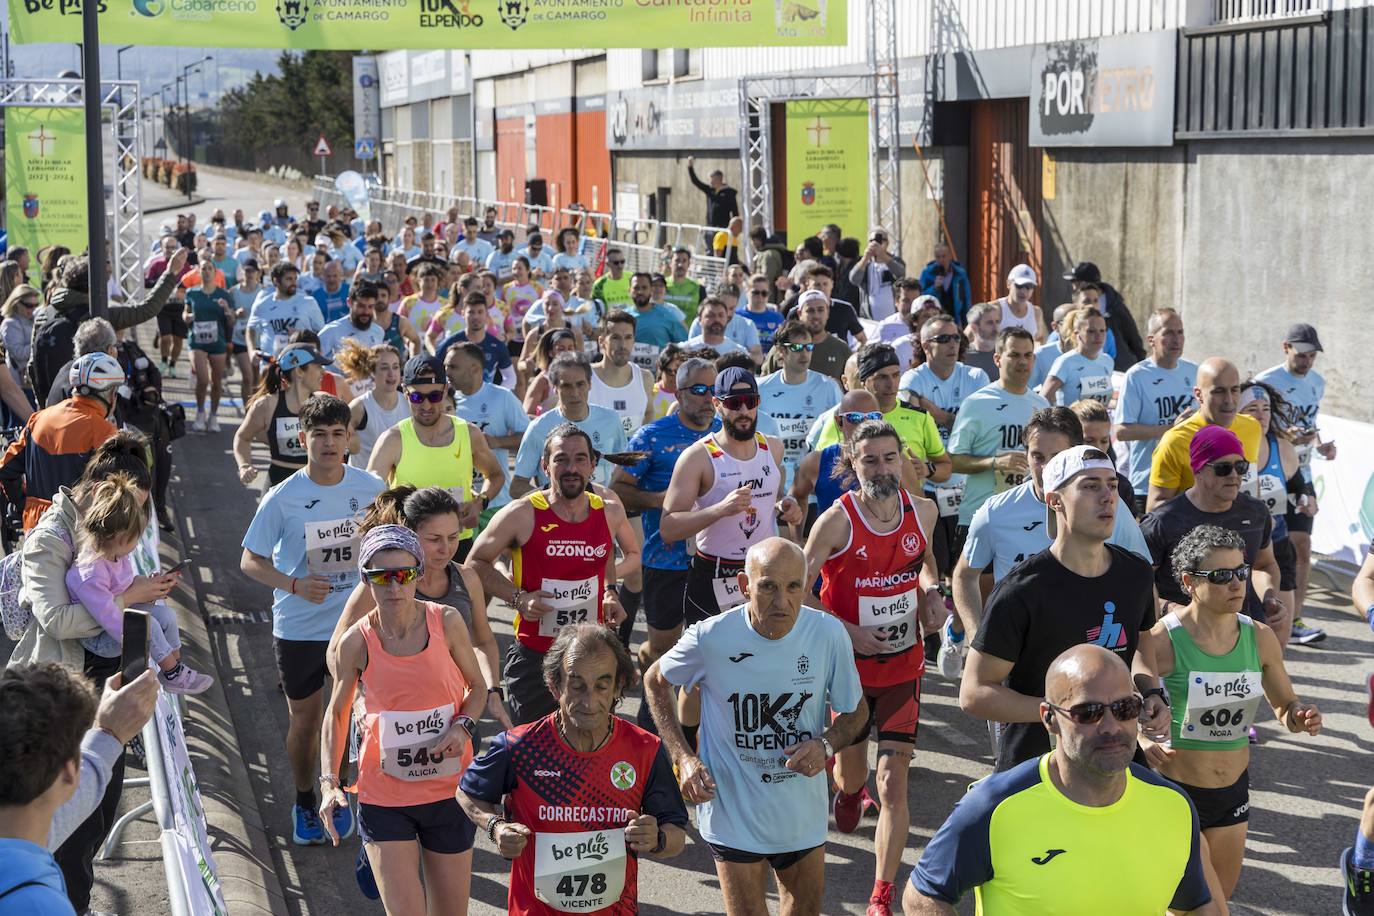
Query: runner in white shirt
<point>278,313</point>
<point>1018,311</point>
<point>796,394</point>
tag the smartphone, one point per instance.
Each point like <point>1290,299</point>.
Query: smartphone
<point>177,568</point>
<point>134,655</point>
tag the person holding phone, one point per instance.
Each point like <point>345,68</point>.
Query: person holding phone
<point>109,532</point>
<point>422,692</point>
<point>876,274</point>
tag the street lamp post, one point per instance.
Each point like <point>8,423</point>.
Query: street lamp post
<point>185,80</point>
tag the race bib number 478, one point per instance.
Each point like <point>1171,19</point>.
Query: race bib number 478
<point>579,872</point>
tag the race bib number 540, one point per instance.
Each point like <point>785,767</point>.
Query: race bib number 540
<point>579,872</point>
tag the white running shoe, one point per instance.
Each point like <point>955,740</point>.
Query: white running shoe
<point>950,660</point>
<point>198,424</point>
<point>212,424</point>
<point>186,681</point>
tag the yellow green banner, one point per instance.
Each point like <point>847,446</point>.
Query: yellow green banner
<point>45,179</point>
<point>827,166</point>
<point>417,24</point>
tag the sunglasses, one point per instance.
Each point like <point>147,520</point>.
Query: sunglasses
<point>698,390</point>
<point>739,401</point>
<point>758,292</point>
<point>29,303</point>
<point>403,576</point>
<point>616,263</point>
<point>855,416</point>
<point>1223,576</point>
<point>1224,468</point>
<point>800,347</point>
<point>1124,710</point>
<point>941,339</point>
<point>416,397</point>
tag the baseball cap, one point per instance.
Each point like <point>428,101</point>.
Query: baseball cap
<point>1064,467</point>
<point>1084,271</point>
<point>424,370</point>
<point>1022,274</point>
<point>1211,443</point>
<point>812,295</point>
<point>295,355</point>
<point>1303,338</point>
<point>733,376</point>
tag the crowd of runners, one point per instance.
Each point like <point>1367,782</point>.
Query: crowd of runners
<point>811,478</point>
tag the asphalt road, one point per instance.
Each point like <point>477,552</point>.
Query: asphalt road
<point>1306,792</point>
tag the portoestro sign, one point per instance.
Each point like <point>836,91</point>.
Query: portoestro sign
<point>421,24</point>
<point>1115,91</point>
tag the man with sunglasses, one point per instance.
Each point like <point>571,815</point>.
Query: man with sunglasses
<point>302,543</point>
<point>1063,831</point>
<point>830,352</point>
<point>939,386</point>
<point>1215,498</point>
<point>1217,394</point>
<point>757,309</point>
<point>432,448</point>
<point>562,541</point>
<point>796,394</point>
<point>613,287</point>
<point>1080,590</point>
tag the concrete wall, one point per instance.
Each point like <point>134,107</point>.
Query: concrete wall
<point>651,171</point>
<point>1275,232</point>
<point>1122,209</point>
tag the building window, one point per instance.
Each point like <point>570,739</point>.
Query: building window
<point>669,65</point>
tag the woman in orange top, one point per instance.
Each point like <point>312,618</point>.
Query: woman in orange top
<point>422,690</point>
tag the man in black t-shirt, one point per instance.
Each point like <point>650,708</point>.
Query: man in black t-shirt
<point>1218,462</point>
<point>1080,590</point>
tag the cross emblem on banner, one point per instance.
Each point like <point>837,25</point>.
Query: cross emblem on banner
<point>40,139</point>
<point>820,132</point>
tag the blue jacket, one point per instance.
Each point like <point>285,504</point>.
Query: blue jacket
<point>43,892</point>
<point>959,289</point>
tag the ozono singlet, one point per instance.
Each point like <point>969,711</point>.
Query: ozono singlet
<point>875,582</point>
<point>731,537</point>
<point>376,420</point>
<point>1214,697</point>
<point>408,703</point>
<point>629,401</point>
<point>566,559</point>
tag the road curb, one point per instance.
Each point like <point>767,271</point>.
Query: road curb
<point>238,838</point>
<point>179,205</point>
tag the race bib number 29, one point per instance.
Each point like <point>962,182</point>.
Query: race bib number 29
<point>579,872</point>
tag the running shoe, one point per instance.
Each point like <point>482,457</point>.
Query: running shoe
<point>171,372</point>
<point>950,660</point>
<point>185,680</point>
<point>848,810</point>
<point>1359,887</point>
<point>198,424</point>
<point>212,424</point>
<point>871,806</point>
<point>1304,635</point>
<point>344,822</point>
<point>880,903</point>
<point>306,829</point>
<point>367,882</point>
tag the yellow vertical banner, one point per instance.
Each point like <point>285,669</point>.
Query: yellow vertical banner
<point>45,179</point>
<point>827,166</point>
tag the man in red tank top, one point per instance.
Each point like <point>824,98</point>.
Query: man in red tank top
<point>562,544</point>
<point>878,577</point>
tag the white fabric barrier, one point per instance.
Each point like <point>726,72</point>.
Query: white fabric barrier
<point>1344,523</point>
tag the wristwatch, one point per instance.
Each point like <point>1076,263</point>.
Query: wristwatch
<point>470,726</point>
<point>827,747</point>
<point>662,841</point>
<point>1156,692</point>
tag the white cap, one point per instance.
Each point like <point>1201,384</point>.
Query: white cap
<point>1022,273</point>
<point>812,295</point>
<point>279,202</point>
<point>1064,467</point>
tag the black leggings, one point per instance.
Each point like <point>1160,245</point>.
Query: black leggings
<point>76,856</point>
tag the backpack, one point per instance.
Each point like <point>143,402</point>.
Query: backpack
<point>53,348</point>
<point>17,616</point>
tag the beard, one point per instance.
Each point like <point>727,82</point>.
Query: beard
<point>884,486</point>
<point>572,486</point>
<point>741,430</point>
<point>362,322</point>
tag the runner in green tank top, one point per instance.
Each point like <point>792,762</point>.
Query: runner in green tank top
<point>1217,665</point>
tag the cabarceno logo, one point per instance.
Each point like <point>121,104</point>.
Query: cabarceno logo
<point>149,8</point>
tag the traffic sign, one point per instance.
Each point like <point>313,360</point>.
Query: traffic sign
<point>365,148</point>
<point>322,147</point>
